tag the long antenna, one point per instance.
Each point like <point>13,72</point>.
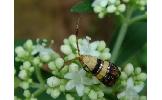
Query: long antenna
<point>77,34</point>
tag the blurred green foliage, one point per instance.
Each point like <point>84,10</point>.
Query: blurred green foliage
<point>82,7</point>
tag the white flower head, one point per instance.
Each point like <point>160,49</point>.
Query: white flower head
<point>87,48</point>
<point>77,80</point>
<point>131,91</point>
<point>44,53</point>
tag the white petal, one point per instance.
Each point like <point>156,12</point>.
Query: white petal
<point>94,45</point>
<point>82,72</point>
<point>130,83</point>
<point>80,89</point>
<point>70,85</point>
<point>94,53</point>
<point>120,95</point>
<point>71,75</point>
<point>138,88</point>
<point>86,81</point>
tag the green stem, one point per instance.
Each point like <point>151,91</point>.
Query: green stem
<point>42,87</point>
<point>122,33</point>
<point>138,18</point>
<point>38,74</point>
<point>39,91</point>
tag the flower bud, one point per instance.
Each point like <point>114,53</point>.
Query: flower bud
<point>72,39</point>
<point>66,49</point>
<point>51,65</point>
<point>59,62</point>
<point>86,90</point>
<point>92,95</point>
<point>123,76</point>
<point>53,81</point>
<point>27,93</point>
<point>142,76</point>
<point>111,8</point>
<point>129,69</point>
<point>101,46</point>
<point>49,90</point>
<point>66,41</point>
<point>29,80</point>
<point>45,57</point>
<point>122,7</point>
<point>71,56</point>
<point>97,9</point>
<point>36,61</point>
<point>73,67</point>
<point>100,94</point>
<point>101,14</point>
<point>23,74</point>
<point>55,93</point>
<point>69,97</point>
<point>20,51</point>
<point>24,85</point>
<point>138,70</point>
<point>103,3</point>
<point>105,55</point>
<point>28,45</point>
<point>26,65</point>
<point>62,88</point>
<point>31,69</point>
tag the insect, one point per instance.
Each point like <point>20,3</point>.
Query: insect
<point>105,71</point>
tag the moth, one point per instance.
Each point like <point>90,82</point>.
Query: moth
<point>104,71</point>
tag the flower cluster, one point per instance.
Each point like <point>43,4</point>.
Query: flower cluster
<point>33,57</point>
<point>97,48</point>
<point>131,83</point>
<point>103,7</point>
<point>70,78</point>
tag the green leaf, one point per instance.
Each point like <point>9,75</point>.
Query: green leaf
<point>82,7</point>
<point>133,43</point>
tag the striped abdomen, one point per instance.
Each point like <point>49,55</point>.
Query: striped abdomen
<point>105,71</point>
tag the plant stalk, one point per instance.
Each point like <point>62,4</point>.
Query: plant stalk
<point>121,35</point>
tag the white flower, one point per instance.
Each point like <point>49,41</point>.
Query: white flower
<point>77,80</point>
<point>111,9</point>
<point>89,49</point>
<point>131,91</point>
<point>97,48</point>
